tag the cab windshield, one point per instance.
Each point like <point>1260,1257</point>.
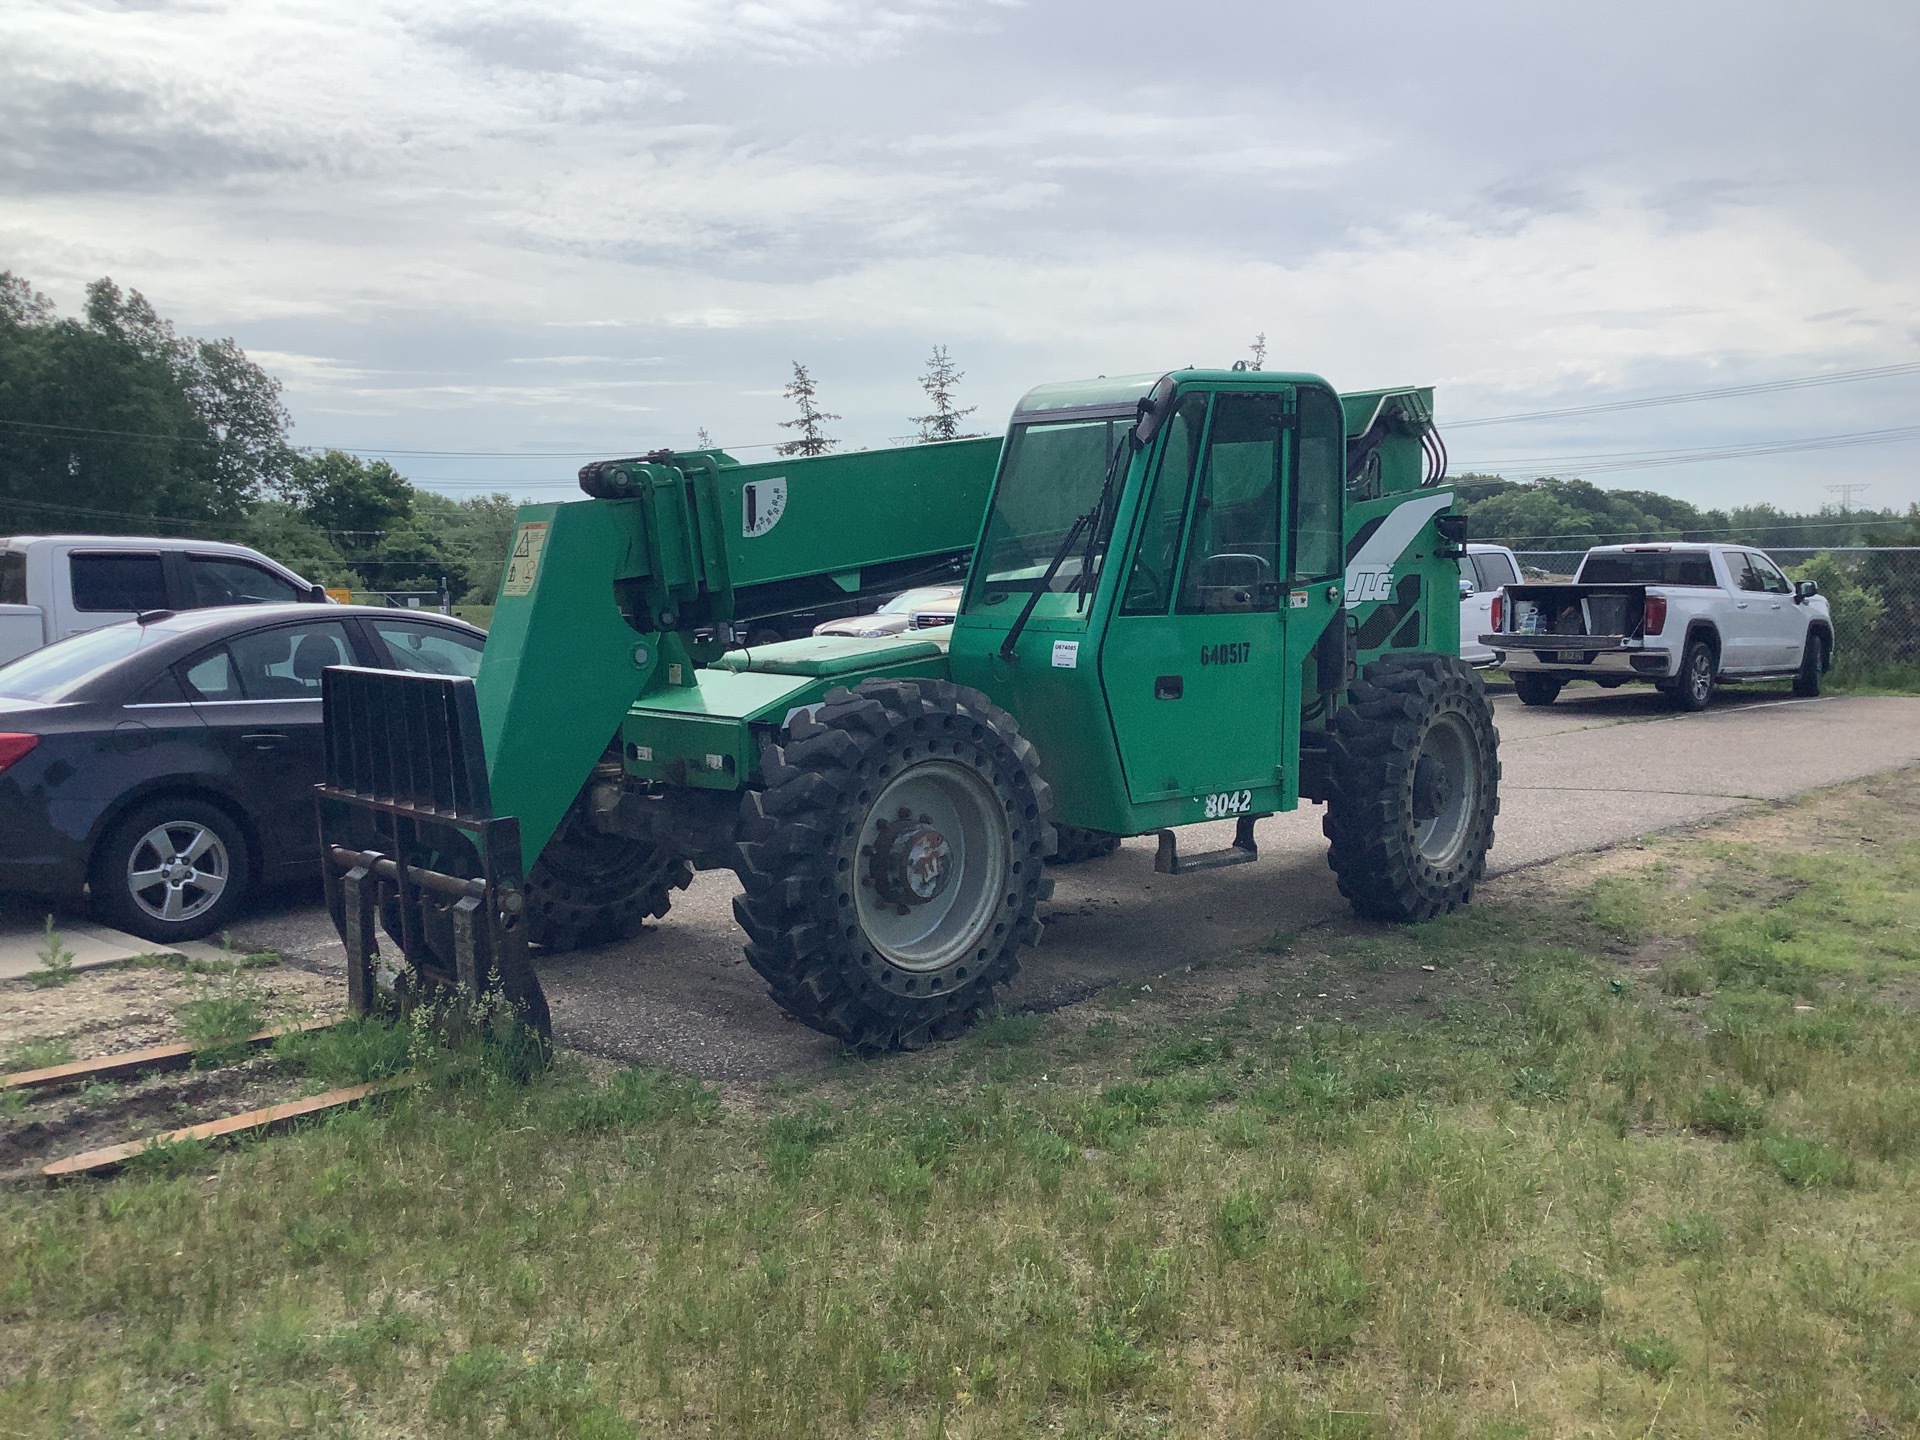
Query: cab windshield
<point>1052,477</point>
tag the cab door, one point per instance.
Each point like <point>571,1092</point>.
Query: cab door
<point>1314,619</point>
<point>1192,661</point>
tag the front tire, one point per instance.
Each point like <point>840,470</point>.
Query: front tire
<point>171,870</point>
<point>1693,686</point>
<point>893,862</point>
<point>1813,663</point>
<point>1416,775</point>
<point>1537,689</point>
<point>589,888</point>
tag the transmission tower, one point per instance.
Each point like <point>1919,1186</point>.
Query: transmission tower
<point>1846,494</point>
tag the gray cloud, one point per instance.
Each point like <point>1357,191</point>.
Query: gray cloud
<point>416,204</point>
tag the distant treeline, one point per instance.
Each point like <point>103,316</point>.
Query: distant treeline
<point>1554,514</point>
<point>112,423</point>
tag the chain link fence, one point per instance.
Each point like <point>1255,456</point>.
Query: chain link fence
<point>1873,591</point>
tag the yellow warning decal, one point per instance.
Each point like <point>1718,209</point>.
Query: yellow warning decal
<point>523,565</point>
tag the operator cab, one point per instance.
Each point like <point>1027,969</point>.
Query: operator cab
<point>1161,555</point>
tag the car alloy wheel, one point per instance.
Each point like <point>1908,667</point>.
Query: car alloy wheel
<point>178,871</point>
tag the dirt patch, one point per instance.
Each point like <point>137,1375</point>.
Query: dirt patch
<point>105,1011</point>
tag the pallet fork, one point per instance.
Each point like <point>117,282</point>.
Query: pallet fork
<point>409,837</point>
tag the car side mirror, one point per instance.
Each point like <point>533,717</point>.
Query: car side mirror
<point>1806,589</point>
<point>1466,590</point>
<point>317,595</point>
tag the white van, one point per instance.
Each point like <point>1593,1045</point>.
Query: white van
<point>53,586</point>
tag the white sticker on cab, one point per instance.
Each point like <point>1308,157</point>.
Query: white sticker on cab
<point>1066,654</point>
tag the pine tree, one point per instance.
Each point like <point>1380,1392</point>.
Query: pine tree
<point>939,382</point>
<point>1259,348</point>
<point>811,442</point>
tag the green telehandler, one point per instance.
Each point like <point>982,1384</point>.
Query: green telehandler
<point>1191,597</point>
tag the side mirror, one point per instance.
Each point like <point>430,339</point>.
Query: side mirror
<point>1806,589</point>
<point>1466,591</point>
<point>1154,408</point>
<point>317,595</point>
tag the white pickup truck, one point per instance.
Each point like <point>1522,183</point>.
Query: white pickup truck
<point>53,586</point>
<point>1685,617</point>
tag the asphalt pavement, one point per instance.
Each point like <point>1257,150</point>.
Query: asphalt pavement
<point>1596,768</point>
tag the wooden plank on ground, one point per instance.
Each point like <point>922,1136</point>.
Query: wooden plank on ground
<point>131,1062</point>
<point>112,1157</point>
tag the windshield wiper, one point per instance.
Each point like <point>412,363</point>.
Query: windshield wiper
<point>1083,582</point>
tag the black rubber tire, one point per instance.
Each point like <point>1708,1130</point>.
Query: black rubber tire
<point>1693,686</point>
<point>1375,755</point>
<point>1537,689</point>
<point>1077,844</point>
<point>1813,664</point>
<point>800,860</point>
<point>589,888</point>
<point>112,894</point>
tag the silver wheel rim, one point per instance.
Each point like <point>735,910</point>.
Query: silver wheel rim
<point>1446,785</point>
<point>933,860</point>
<point>1700,679</point>
<point>177,871</point>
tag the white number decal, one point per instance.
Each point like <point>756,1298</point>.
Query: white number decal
<point>1233,802</point>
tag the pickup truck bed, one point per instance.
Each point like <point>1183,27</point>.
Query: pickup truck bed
<point>1605,617</point>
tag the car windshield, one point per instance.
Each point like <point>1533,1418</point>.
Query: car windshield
<point>1051,477</point>
<point>1651,567</point>
<point>60,669</point>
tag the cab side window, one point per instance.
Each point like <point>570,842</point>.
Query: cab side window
<point>1745,576</point>
<point>1150,583</point>
<point>1318,548</point>
<point>1771,580</point>
<point>222,580</point>
<point>117,581</point>
<point>13,577</point>
<point>1495,571</point>
<point>1233,539</point>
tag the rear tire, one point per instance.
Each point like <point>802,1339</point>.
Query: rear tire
<point>589,888</point>
<point>893,863</point>
<point>1693,686</point>
<point>1537,689</point>
<point>1416,775</point>
<point>171,870</point>
<point>1077,844</point>
<point>1813,663</point>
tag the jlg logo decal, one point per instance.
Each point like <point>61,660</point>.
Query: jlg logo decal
<point>1233,802</point>
<point>1373,584</point>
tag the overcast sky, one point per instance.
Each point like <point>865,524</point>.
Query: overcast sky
<point>594,226</point>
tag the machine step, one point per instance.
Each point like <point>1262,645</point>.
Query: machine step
<point>1169,861</point>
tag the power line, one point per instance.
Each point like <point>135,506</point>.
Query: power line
<point>1608,462</point>
<point>1725,392</point>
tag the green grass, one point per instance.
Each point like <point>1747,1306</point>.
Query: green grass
<point>1556,1200</point>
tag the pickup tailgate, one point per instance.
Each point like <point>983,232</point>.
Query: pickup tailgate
<point>1540,617</point>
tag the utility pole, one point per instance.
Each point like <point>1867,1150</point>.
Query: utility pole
<point>1846,494</point>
